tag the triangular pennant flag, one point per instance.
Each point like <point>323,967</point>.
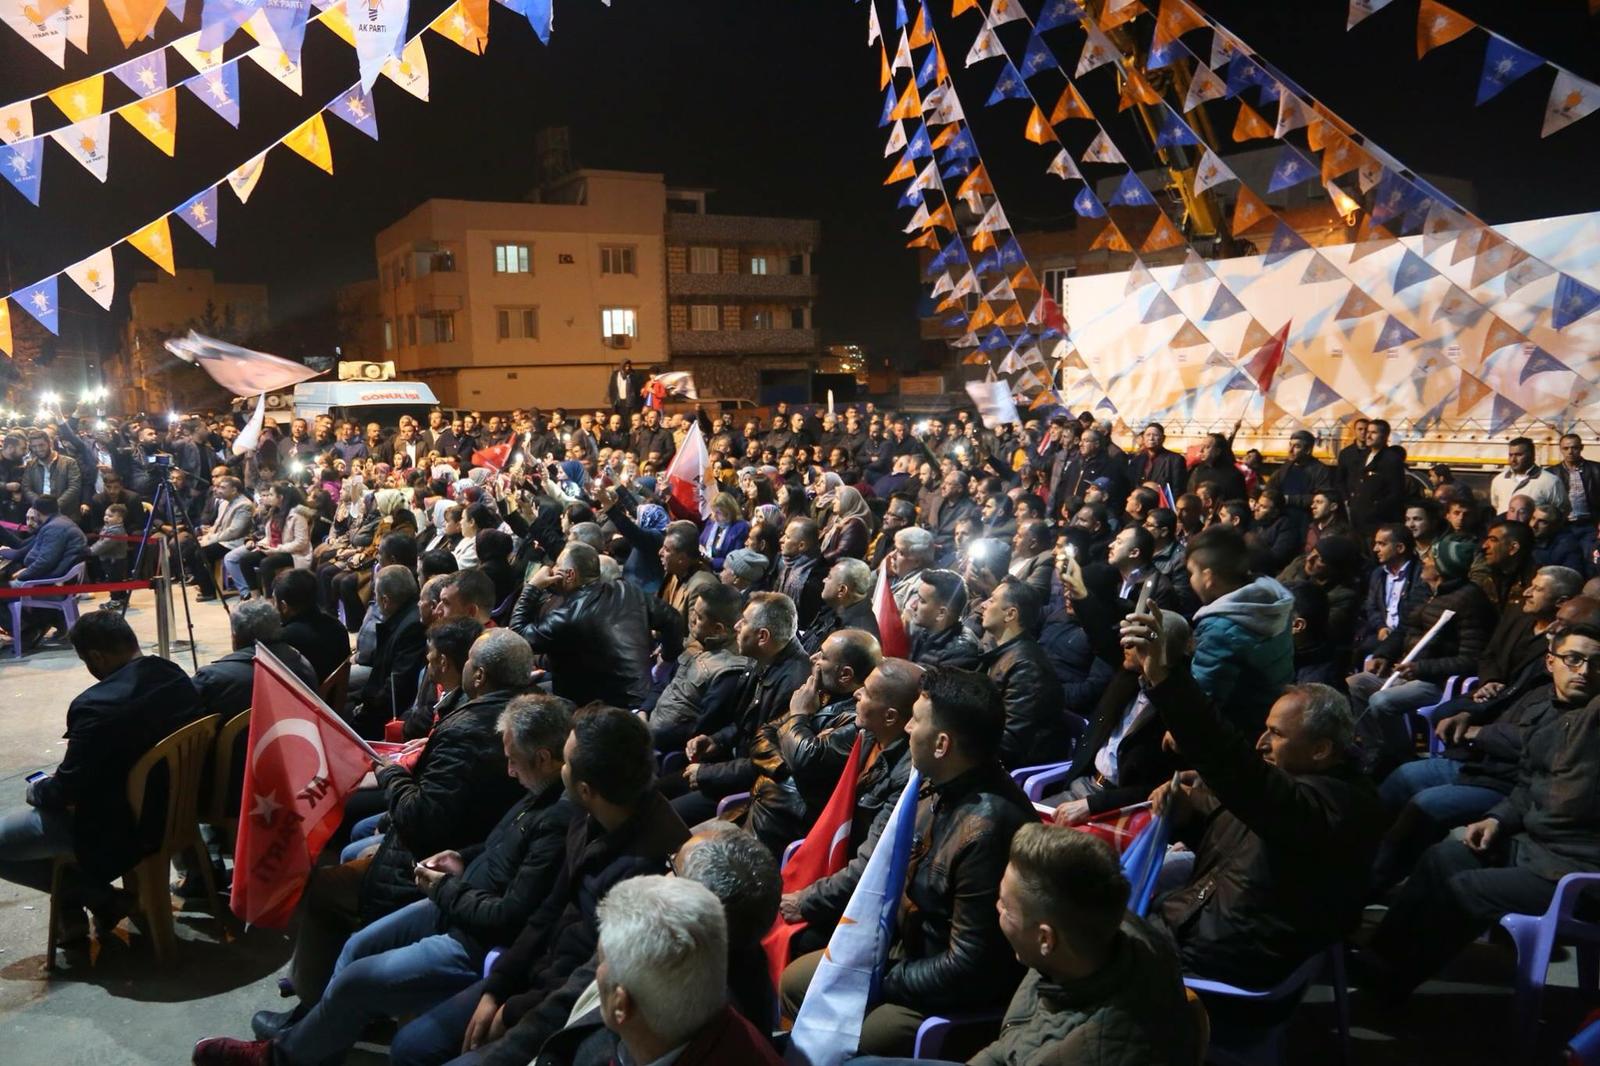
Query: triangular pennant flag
<point>910,105</point>
<point>1292,114</point>
<point>1193,271</point>
<point>220,90</point>
<point>380,32</point>
<point>1210,171</point>
<point>1038,56</point>
<point>1136,89</point>
<point>1203,85</point>
<point>1010,364</point>
<point>1173,131</point>
<point>1250,125</point>
<point>22,165</point>
<point>1496,255</point>
<point>410,71</point>
<point>1574,300</point>
<point>541,16</point>
<point>1011,316</point>
<point>900,16</point>
<point>40,301</point>
<point>1038,130</point>
<point>201,59</point>
<point>1025,279</point>
<point>1284,243</point>
<point>80,99</point>
<point>279,64</point>
<point>1467,245</point>
<point>5,326</point>
<point>220,19</point>
<point>146,75</point>
<point>88,142</point>
<point>309,141</point>
<point>1413,270</point>
<point>1455,307</point>
<point>1540,361</point>
<point>1087,204</point>
<point>1237,381</point>
<point>1526,273</point>
<point>1357,305</point>
<point>337,22</point>
<point>1097,50</point>
<point>1291,169</point>
<point>1102,150</point>
<point>200,213</point>
<point>1176,18</point>
<point>1071,105</point>
<point>1370,241</point>
<point>156,117</point>
<point>1571,98</point>
<point>1117,12</point>
<point>885,73</point>
<point>1393,334</point>
<point>286,25</point>
<point>1248,211</point>
<point>1320,396</point>
<point>355,107</point>
<point>1009,86</point>
<point>1471,391</point>
<point>1062,166</point>
<point>1130,192</point>
<point>1360,9</point>
<point>47,34</point>
<point>155,241</point>
<point>985,46</point>
<point>1440,228</point>
<point>455,24</point>
<point>1188,336</point>
<point>943,217</point>
<point>1437,25</point>
<point>1138,277</point>
<point>16,122</point>
<point>1319,270</point>
<point>1339,156</point>
<point>1223,48</point>
<point>1503,63</point>
<point>1111,239</point>
<point>1163,235</point>
<point>242,179</point>
<point>96,276</point>
<point>1059,13</point>
<point>1223,305</point>
<point>1255,335</point>
<point>874,31</point>
<point>921,29</point>
<point>902,56</point>
<point>1503,413</point>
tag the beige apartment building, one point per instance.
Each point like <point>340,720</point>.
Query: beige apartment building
<point>508,304</point>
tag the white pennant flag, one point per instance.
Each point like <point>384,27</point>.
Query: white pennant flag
<point>929,178</point>
<point>410,71</point>
<point>967,286</point>
<point>897,138</point>
<point>1292,113</point>
<point>1571,98</point>
<point>380,31</point>
<point>1210,171</point>
<point>947,111</point>
<point>88,142</point>
<point>48,35</point>
<point>986,46</point>
<point>1005,11</point>
<point>16,122</point>
<point>993,219</point>
<point>275,61</point>
<point>244,177</point>
<point>1010,364</point>
<point>1102,150</point>
<point>902,54</point>
<point>73,21</point>
<point>1097,50</point>
<point>874,31</point>
<point>96,276</point>
<point>1063,167</point>
<point>1204,85</point>
<point>1001,291</point>
<point>918,220</point>
<point>202,61</point>
<point>943,285</point>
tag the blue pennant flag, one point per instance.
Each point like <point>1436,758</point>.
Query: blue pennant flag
<point>1393,334</point>
<point>22,164</point>
<point>1291,169</point>
<point>1011,255</point>
<point>918,146</point>
<point>889,102</point>
<point>288,21</point>
<point>960,146</point>
<point>541,15</point>
<point>1412,270</point>
<point>1059,13</point>
<point>1244,72</point>
<point>1223,305</point>
<point>996,340</point>
<point>1162,53</point>
<point>1009,86</point>
<point>1131,193</point>
<point>911,197</point>
<point>900,18</point>
<point>1503,63</point>
<point>1237,381</point>
<point>1106,405</point>
<point>1086,204</point>
<point>39,300</point>
<point>1574,300</point>
<point>1141,863</point>
<point>1285,242</point>
<point>1160,307</point>
<point>1173,130</point>
<point>1038,57</point>
<point>958,169</point>
<point>1270,90</point>
<point>220,90</point>
<point>936,262</point>
<point>956,321</point>
<point>1394,197</point>
<point>955,252</point>
<point>929,69</point>
<point>1434,415</point>
<point>1321,396</point>
<point>1540,362</point>
<point>145,75</point>
<point>1503,413</point>
<point>220,18</point>
<point>201,215</point>
<point>988,262</point>
<point>1023,340</point>
<point>355,107</point>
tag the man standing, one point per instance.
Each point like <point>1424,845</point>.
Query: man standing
<point>52,474</point>
<point>1154,464</point>
<point>1352,457</point>
<point>1303,475</point>
<point>1379,492</point>
<point>1394,588</point>
<point>1243,651</point>
<point>1523,477</point>
<point>651,443</point>
<point>1582,478</point>
<point>623,390</point>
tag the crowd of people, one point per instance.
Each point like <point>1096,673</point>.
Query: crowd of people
<point>595,687</point>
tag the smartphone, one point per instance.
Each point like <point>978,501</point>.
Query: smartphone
<point>36,775</point>
<point>1145,587</point>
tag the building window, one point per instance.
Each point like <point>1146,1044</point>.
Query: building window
<point>618,322</point>
<point>704,316</point>
<point>517,323</point>
<point>705,261</point>
<point>760,319</point>
<point>436,262</point>
<point>438,327</point>
<point>402,273</point>
<point>616,259</point>
<point>797,318</point>
<point>511,259</point>
<point>758,264</point>
<point>388,335</point>
<point>1055,282</point>
<point>411,330</point>
<point>797,264</point>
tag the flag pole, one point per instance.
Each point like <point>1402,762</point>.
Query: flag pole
<point>274,664</point>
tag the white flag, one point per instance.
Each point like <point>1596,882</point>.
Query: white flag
<point>241,371</point>
<point>48,35</point>
<point>897,138</point>
<point>986,46</point>
<point>202,61</point>
<point>410,71</point>
<point>16,122</point>
<point>96,276</point>
<point>1571,98</point>
<point>380,30</point>
<point>244,177</point>
<point>275,61</point>
<point>1210,171</point>
<point>88,142</point>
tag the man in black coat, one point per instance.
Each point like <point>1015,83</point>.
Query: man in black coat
<point>227,685</point>
<point>1394,588</point>
<point>623,390</point>
<point>801,570</point>
<point>938,637</point>
<point>1039,729</point>
<point>1156,464</point>
<point>1303,475</point>
<point>80,810</point>
<point>1378,493</point>
<point>1582,479</point>
<point>391,687</point>
<point>315,634</point>
<point>846,604</point>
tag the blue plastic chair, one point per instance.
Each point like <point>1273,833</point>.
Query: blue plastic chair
<point>728,802</point>
<point>936,1029</point>
<point>1584,1049</point>
<point>1233,1045</point>
<point>1422,719</point>
<point>1535,935</point>
<point>1022,773</point>
<point>1036,784</point>
<point>673,762</point>
<point>489,961</point>
<point>66,604</point>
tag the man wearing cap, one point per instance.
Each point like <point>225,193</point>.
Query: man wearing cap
<point>744,569</point>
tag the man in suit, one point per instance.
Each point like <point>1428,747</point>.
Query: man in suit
<point>623,391</point>
<point>233,526</point>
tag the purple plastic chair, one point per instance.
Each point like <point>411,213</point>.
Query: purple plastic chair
<point>1535,935</point>
<point>1422,719</point>
<point>489,961</point>
<point>728,802</point>
<point>1236,1046</point>
<point>936,1029</point>
<point>67,605</point>
<point>1036,784</point>
<point>1584,1049</point>
<point>789,850</point>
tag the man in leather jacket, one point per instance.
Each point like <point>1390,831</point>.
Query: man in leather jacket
<point>948,951</point>
<point>937,635</point>
<point>598,639</point>
<point>846,604</point>
<point>1039,729</point>
<point>799,758</point>
<point>709,673</point>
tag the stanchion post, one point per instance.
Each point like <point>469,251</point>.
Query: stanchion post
<point>163,591</point>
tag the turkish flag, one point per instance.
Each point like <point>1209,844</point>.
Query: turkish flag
<point>494,457</point>
<point>823,852</point>
<point>301,763</point>
<point>892,636</point>
<point>1264,364</point>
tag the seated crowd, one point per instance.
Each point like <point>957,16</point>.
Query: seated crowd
<point>597,689</point>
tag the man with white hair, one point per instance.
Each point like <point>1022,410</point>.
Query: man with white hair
<point>913,553</point>
<point>663,977</point>
<point>226,686</point>
<point>846,604</point>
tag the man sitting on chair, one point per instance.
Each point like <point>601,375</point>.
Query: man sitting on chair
<point>56,546</point>
<point>81,811</point>
<point>226,686</point>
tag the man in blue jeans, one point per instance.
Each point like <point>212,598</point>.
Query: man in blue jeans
<point>424,953</point>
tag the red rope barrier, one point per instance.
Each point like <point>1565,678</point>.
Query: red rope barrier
<point>62,590</point>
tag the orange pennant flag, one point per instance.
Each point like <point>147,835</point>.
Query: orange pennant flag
<point>5,325</point>
<point>921,34</point>
<point>155,241</point>
<point>910,105</point>
<point>1011,316</point>
<point>477,12</point>
<point>1111,239</point>
<point>946,135</point>
<point>133,18</point>
<point>982,242</point>
<point>1250,125</point>
<point>1137,89</point>
<point>941,216</point>
<point>1071,105</point>
<point>976,358</point>
<point>941,73</point>
<point>1038,130</point>
<point>1188,336</point>
<point>1175,19</point>
<point>906,168</point>
<point>79,100</point>
<point>983,316</point>
<point>1163,235</point>
<point>1340,156</point>
<point>1472,390</point>
<point>958,7</point>
<point>309,140</point>
<point>1110,19</point>
<point>926,239</point>
<point>1025,279</point>
<point>455,23</point>
<point>1437,25</point>
<point>1370,239</point>
<point>156,117</point>
<point>1498,336</point>
<point>949,303</point>
<point>884,74</point>
<point>1248,211</point>
<point>976,182</point>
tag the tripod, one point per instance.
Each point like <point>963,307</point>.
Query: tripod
<point>163,497</point>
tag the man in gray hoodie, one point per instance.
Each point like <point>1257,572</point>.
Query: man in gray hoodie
<point>1243,649</point>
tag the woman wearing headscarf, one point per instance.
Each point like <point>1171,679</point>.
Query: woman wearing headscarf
<point>725,532</point>
<point>851,529</point>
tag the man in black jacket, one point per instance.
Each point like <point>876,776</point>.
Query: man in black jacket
<point>846,604</point>
<point>1155,464</point>
<point>948,952</point>
<point>801,570</point>
<point>598,638</point>
<point>1378,492</point>
<point>1038,728</point>
<point>450,799</point>
<point>309,630</point>
<point>81,809</point>
<point>625,829</point>
<point>1283,835</point>
<point>1394,588</point>
<point>391,687</point>
<point>226,686</point>
<point>1582,479</point>
<point>478,898</point>
<point>1302,476</point>
<point>937,636</point>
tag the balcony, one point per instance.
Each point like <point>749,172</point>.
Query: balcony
<point>743,229</point>
<point>439,291</point>
<point>742,341</point>
<point>751,286</point>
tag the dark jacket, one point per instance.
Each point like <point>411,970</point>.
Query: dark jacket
<point>1299,481</point>
<point>321,639</point>
<point>1076,474</point>
<point>391,688</point>
<point>56,547</point>
<point>1165,468</point>
<point>508,875</point>
<point>1282,862</point>
<point>733,537</point>
<point>858,615</point>
<point>66,483</point>
<point>1038,728</point>
<point>1274,544</point>
<point>227,685</point>
<point>457,791</point>
<point>1132,1010</point>
<point>703,682</point>
<point>1514,646</point>
<point>941,518</point>
<point>763,696</point>
<point>1083,674</point>
<point>598,639</point>
<point>1375,609</point>
<point>1552,816</point>
<point>1378,492</point>
<point>1589,474</point>
<point>801,579</point>
<point>110,725</point>
<point>800,758</point>
<point>846,539</point>
<point>1491,758</point>
<point>948,647</point>
<point>1141,762</point>
<point>1225,480</point>
<point>1457,647</point>
<point>1562,549</point>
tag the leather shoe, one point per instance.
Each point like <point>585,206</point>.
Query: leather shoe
<point>225,1051</point>
<point>269,1024</point>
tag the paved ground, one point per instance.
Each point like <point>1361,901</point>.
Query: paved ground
<point>119,1009</point>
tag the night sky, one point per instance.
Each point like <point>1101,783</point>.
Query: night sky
<point>772,103</point>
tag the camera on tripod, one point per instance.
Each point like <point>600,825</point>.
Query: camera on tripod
<point>161,459</point>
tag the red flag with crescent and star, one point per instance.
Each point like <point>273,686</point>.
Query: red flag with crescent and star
<point>301,762</point>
